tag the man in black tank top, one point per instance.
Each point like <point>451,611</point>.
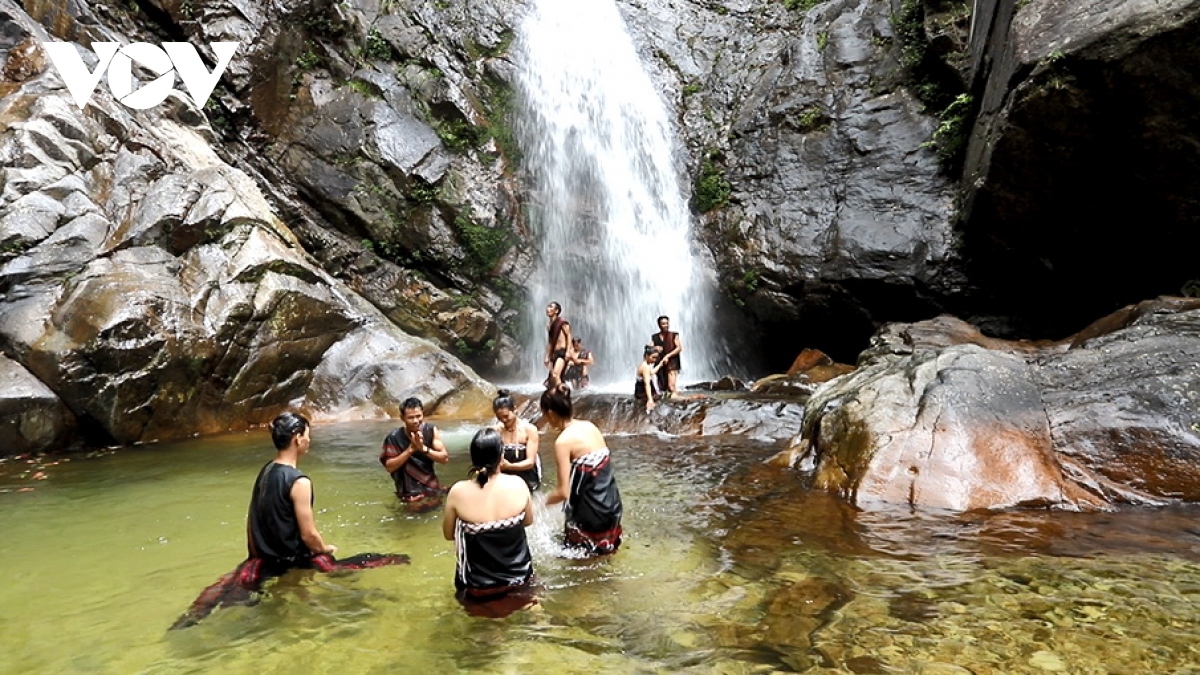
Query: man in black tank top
<point>281,532</point>
<point>281,529</point>
<point>409,453</point>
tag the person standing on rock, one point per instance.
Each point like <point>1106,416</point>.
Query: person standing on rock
<point>672,347</point>
<point>576,373</point>
<point>558,344</point>
<point>409,454</point>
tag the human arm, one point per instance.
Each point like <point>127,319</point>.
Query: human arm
<point>674,352</point>
<point>647,371</point>
<point>301,495</point>
<point>450,515</point>
<point>562,459</point>
<point>528,520</point>
<point>393,457</point>
<point>566,333</point>
<point>438,452</point>
<point>585,360</point>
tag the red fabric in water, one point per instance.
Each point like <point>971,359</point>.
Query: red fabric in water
<point>239,586</point>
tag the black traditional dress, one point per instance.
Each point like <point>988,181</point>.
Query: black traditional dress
<point>593,508</point>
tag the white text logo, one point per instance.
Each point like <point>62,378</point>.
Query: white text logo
<point>117,61</point>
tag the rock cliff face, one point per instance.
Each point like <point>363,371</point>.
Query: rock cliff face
<point>1080,182</point>
<point>354,174</point>
<point>150,285</point>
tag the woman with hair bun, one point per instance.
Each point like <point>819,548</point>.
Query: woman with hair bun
<point>519,442</point>
<point>486,516</point>
<point>585,478</point>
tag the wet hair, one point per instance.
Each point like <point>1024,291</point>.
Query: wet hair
<point>576,340</point>
<point>650,349</point>
<point>286,427</point>
<point>503,400</point>
<point>659,319</point>
<point>410,403</point>
<point>558,401</point>
<point>485,455</point>
<point>557,307</point>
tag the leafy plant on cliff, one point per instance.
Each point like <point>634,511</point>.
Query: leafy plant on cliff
<point>712,189</point>
<point>802,5</point>
<point>949,140</point>
<point>934,82</point>
<point>485,245</point>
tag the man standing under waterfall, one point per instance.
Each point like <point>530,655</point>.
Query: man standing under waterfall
<point>558,345</point>
<point>672,347</point>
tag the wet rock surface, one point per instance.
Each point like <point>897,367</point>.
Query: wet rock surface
<point>1086,114</point>
<point>934,419</point>
<point>150,285</point>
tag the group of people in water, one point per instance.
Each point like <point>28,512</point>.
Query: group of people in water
<point>486,514</point>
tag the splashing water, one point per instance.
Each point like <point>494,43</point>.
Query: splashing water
<point>607,203</point>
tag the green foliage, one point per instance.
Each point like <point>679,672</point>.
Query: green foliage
<point>822,40</point>
<point>691,88</point>
<point>499,112</point>
<point>377,47</point>
<point>421,192</point>
<point>812,119</point>
<point>485,245</point>
<point>459,134</point>
<point>750,281</point>
<point>802,5</point>
<point>712,189</point>
<point>365,88</point>
<point>950,138</point>
<point>308,60</point>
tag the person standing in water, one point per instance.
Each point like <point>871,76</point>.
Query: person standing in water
<point>486,517</point>
<point>558,344</point>
<point>586,482</point>
<point>409,454</point>
<point>672,347</point>
<point>519,441</point>
<point>281,530</point>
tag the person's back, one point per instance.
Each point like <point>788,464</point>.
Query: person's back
<point>502,497</point>
<point>486,517</point>
<point>274,530</point>
<point>581,438</point>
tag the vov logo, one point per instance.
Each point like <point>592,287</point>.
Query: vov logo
<point>117,61</point>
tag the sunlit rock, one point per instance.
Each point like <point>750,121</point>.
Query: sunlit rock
<point>939,416</point>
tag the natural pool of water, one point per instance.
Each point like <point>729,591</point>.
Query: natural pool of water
<point>729,566</point>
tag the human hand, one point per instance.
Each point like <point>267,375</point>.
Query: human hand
<point>330,549</point>
<point>418,441</point>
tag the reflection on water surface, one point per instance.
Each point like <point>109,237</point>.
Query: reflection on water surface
<point>729,566</point>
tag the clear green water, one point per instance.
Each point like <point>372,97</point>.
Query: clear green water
<point>729,566</point>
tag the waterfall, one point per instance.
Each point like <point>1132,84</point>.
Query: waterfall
<point>606,201</point>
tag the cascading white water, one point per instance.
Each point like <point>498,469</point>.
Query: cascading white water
<point>606,200</point>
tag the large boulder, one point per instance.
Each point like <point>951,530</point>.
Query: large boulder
<point>939,416</point>
<point>151,286</point>
<point>32,418</point>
